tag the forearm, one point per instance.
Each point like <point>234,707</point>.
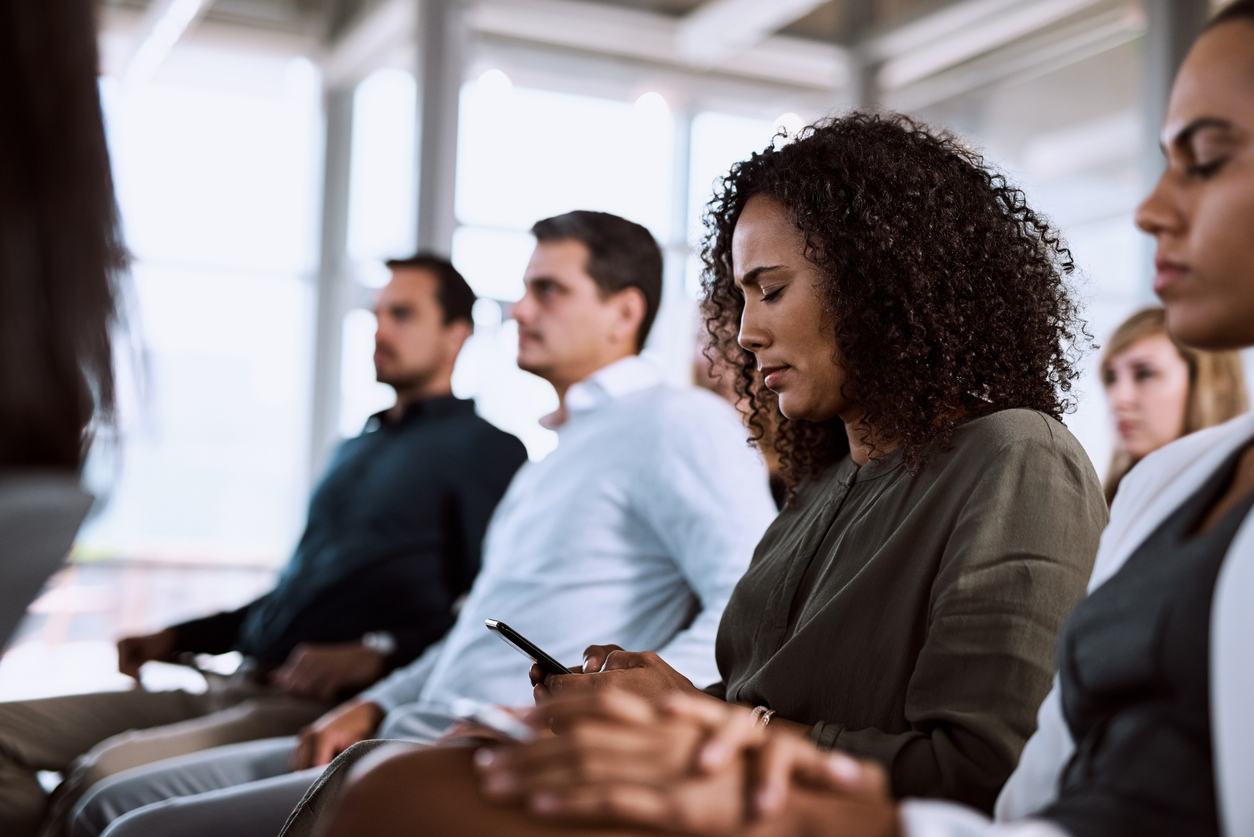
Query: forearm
<point>215,634</point>
<point>403,685</point>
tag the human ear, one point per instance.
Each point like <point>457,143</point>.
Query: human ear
<point>629,310</point>
<point>456,334</point>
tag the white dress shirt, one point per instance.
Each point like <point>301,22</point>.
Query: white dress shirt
<point>1147,496</point>
<point>633,531</point>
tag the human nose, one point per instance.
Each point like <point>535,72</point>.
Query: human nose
<point>753,335</point>
<point>1122,393</point>
<point>1160,212</point>
<point>520,311</point>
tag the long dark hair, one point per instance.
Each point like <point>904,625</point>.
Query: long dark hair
<point>61,253</point>
<point>947,295</point>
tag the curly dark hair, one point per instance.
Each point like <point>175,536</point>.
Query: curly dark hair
<point>948,296</point>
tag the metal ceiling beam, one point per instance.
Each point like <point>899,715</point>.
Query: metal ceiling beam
<point>1028,57</point>
<point>957,33</point>
<point>719,30</point>
<point>163,24</point>
<point>647,36</point>
<point>385,36</point>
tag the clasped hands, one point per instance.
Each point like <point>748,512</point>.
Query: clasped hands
<point>683,762</point>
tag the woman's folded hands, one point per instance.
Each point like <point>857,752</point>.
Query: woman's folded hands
<point>687,764</point>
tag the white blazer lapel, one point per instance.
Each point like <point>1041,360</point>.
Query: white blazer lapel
<point>1232,685</point>
<point>1158,485</point>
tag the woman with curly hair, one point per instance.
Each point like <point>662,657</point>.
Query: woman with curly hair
<point>1148,731</point>
<point>901,325</point>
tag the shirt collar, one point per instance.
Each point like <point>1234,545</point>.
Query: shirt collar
<point>441,405</point>
<point>621,378</point>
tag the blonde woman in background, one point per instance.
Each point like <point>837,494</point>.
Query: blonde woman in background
<point>1159,390</point>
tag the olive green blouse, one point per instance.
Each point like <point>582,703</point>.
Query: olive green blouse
<point>913,618</point>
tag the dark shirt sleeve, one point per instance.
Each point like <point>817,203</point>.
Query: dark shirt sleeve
<point>1008,578</point>
<point>216,634</point>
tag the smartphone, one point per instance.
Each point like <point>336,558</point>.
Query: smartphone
<point>505,632</point>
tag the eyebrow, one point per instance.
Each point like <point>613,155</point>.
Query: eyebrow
<point>751,278</point>
<point>1185,134</point>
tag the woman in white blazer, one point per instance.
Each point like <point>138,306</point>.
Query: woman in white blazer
<point>1150,727</point>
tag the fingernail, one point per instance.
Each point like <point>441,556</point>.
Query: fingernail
<point>843,767</point>
<point>767,798</point>
<point>485,757</point>
<point>545,803</point>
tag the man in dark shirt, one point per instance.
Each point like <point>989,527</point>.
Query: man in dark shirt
<point>393,539</point>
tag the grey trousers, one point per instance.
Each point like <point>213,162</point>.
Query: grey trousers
<point>90,737</point>
<point>244,790</point>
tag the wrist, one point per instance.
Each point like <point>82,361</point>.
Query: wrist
<point>382,643</point>
<point>370,711</point>
<point>168,639</point>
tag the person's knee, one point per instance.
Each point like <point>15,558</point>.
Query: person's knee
<point>101,763</point>
<point>156,820</point>
<point>93,814</point>
<point>386,789</point>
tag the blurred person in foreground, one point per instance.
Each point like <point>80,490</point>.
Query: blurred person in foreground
<point>906,320</point>
<point>392,540</point>
<point>1149,730</point>
<point>636,527</point>
<point>61,258</point>
<point>1158,389</point>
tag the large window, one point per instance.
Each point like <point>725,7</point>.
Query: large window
<point>382,208</point>
<point>528,154</point>
<point>216,166</point>
<point>216,162</point>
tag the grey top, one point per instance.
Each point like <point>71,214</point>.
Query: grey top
<point>40,512</point>
<point>913,618</point>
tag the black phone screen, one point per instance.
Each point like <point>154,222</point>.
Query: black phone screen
<point>528,649</point>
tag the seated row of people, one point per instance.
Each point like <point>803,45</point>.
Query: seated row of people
<point>941,523</point>
<point>902,328</point>
<point>1147,729</point>
<point>639,524</point>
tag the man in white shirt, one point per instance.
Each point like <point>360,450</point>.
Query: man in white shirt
<point>633,531</point>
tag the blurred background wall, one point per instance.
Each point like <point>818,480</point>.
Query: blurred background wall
<point>269,154</point>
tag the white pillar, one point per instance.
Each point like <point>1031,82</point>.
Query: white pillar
<point>864,69</point>
<point>441,40</point>
<point>333,297</point>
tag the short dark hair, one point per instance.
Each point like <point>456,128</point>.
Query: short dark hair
<point>621,254</point>
<point>62,260</point>
<point>1237,10</point>
<point>454,293</point>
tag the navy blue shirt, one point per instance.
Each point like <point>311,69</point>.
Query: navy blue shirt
<point>393,538</point>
